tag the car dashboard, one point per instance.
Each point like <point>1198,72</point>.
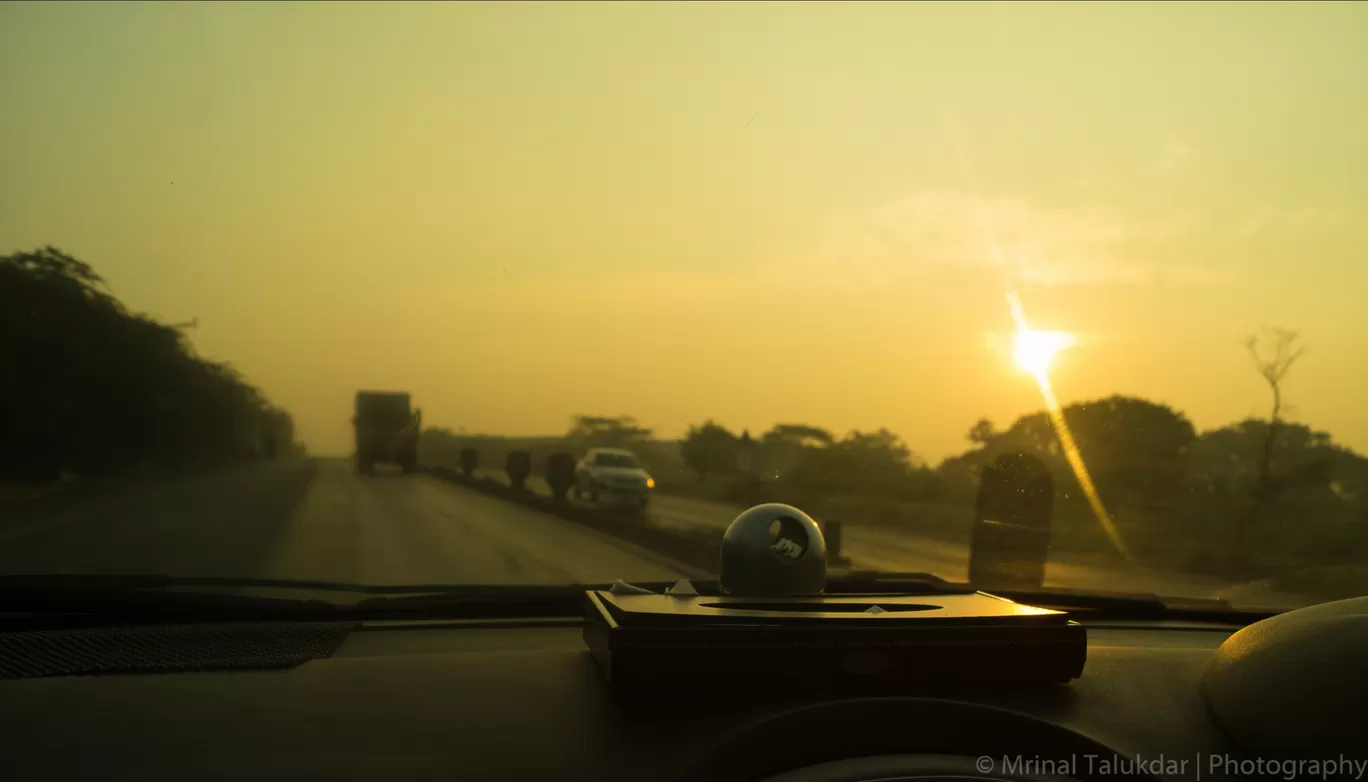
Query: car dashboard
<point>521,699</point>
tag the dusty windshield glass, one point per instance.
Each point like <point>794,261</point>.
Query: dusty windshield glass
<point>1025,293</point>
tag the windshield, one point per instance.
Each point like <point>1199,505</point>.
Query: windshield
<point>1047,294</point>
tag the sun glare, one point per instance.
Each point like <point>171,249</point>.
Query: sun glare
<point>1034,351</point>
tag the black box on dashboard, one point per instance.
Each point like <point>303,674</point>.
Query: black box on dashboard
<point>888,642</point>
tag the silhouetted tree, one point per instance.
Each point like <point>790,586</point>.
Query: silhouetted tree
<point>470,460</point>
<point>607,431</point>
<point>1227,462</point>
<point>982,432</point>
<point>802,434</point>
<point>782,448</point>
<point>1133,448</point>
<point>1273,352</point>
<point>710,448</point>
<point>870,463</point>
<point>92,388</point>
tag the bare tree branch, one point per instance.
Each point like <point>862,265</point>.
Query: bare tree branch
<point>1273,353</point>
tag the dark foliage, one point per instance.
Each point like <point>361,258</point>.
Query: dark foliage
<point>91,388</point>
<point>560,474</point>
<point>518,465</point>
<point>470,461</point>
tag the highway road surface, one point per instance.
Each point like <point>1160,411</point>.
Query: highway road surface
<point>873,547</point>
<point>318,520</point>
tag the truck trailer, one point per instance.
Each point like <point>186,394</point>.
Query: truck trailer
<point>386,430</point>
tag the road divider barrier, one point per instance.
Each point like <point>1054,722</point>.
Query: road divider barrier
<point>699,549</point>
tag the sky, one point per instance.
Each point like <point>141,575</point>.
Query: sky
<point>755,213</point>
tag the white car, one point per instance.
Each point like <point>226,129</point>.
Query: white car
<point>613,476</point>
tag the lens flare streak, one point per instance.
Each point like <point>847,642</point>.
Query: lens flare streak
<point>1034,352</point>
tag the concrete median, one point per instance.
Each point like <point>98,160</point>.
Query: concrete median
<point>697,543</point>
<point>696,548</point>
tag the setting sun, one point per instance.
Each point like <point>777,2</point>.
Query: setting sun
<point>1035,350</point>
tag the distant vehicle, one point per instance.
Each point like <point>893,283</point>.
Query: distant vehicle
<point>386,430</point>
<point>613,476</point>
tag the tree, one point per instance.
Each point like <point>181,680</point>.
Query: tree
<point>799,434</point>
<point>1226,462</point>
<point>1313,512</point>
<point>710,448</point>
<point>982,432</point>
<point>1273,353</point>
<point>1134,449</point>
<point>104,389</point>
<point>782,448</point>
<point>875,463</point>
<point>607,431</point>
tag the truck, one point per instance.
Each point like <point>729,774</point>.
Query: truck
<point>386,430</point>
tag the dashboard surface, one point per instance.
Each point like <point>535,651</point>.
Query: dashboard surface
<point>522,700</point>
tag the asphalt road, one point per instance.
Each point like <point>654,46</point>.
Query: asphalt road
<point>318,520</point>
<point>872,547</point>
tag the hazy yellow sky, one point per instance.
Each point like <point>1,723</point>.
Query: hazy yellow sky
<point>756,213</point>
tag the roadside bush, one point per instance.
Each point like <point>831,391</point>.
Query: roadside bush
<point>518,465</point>
<point>560,474</point>
<point>470,461</point>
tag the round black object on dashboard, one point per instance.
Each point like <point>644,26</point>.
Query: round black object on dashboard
<point>1292,685</point>
<point>772,550</point>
